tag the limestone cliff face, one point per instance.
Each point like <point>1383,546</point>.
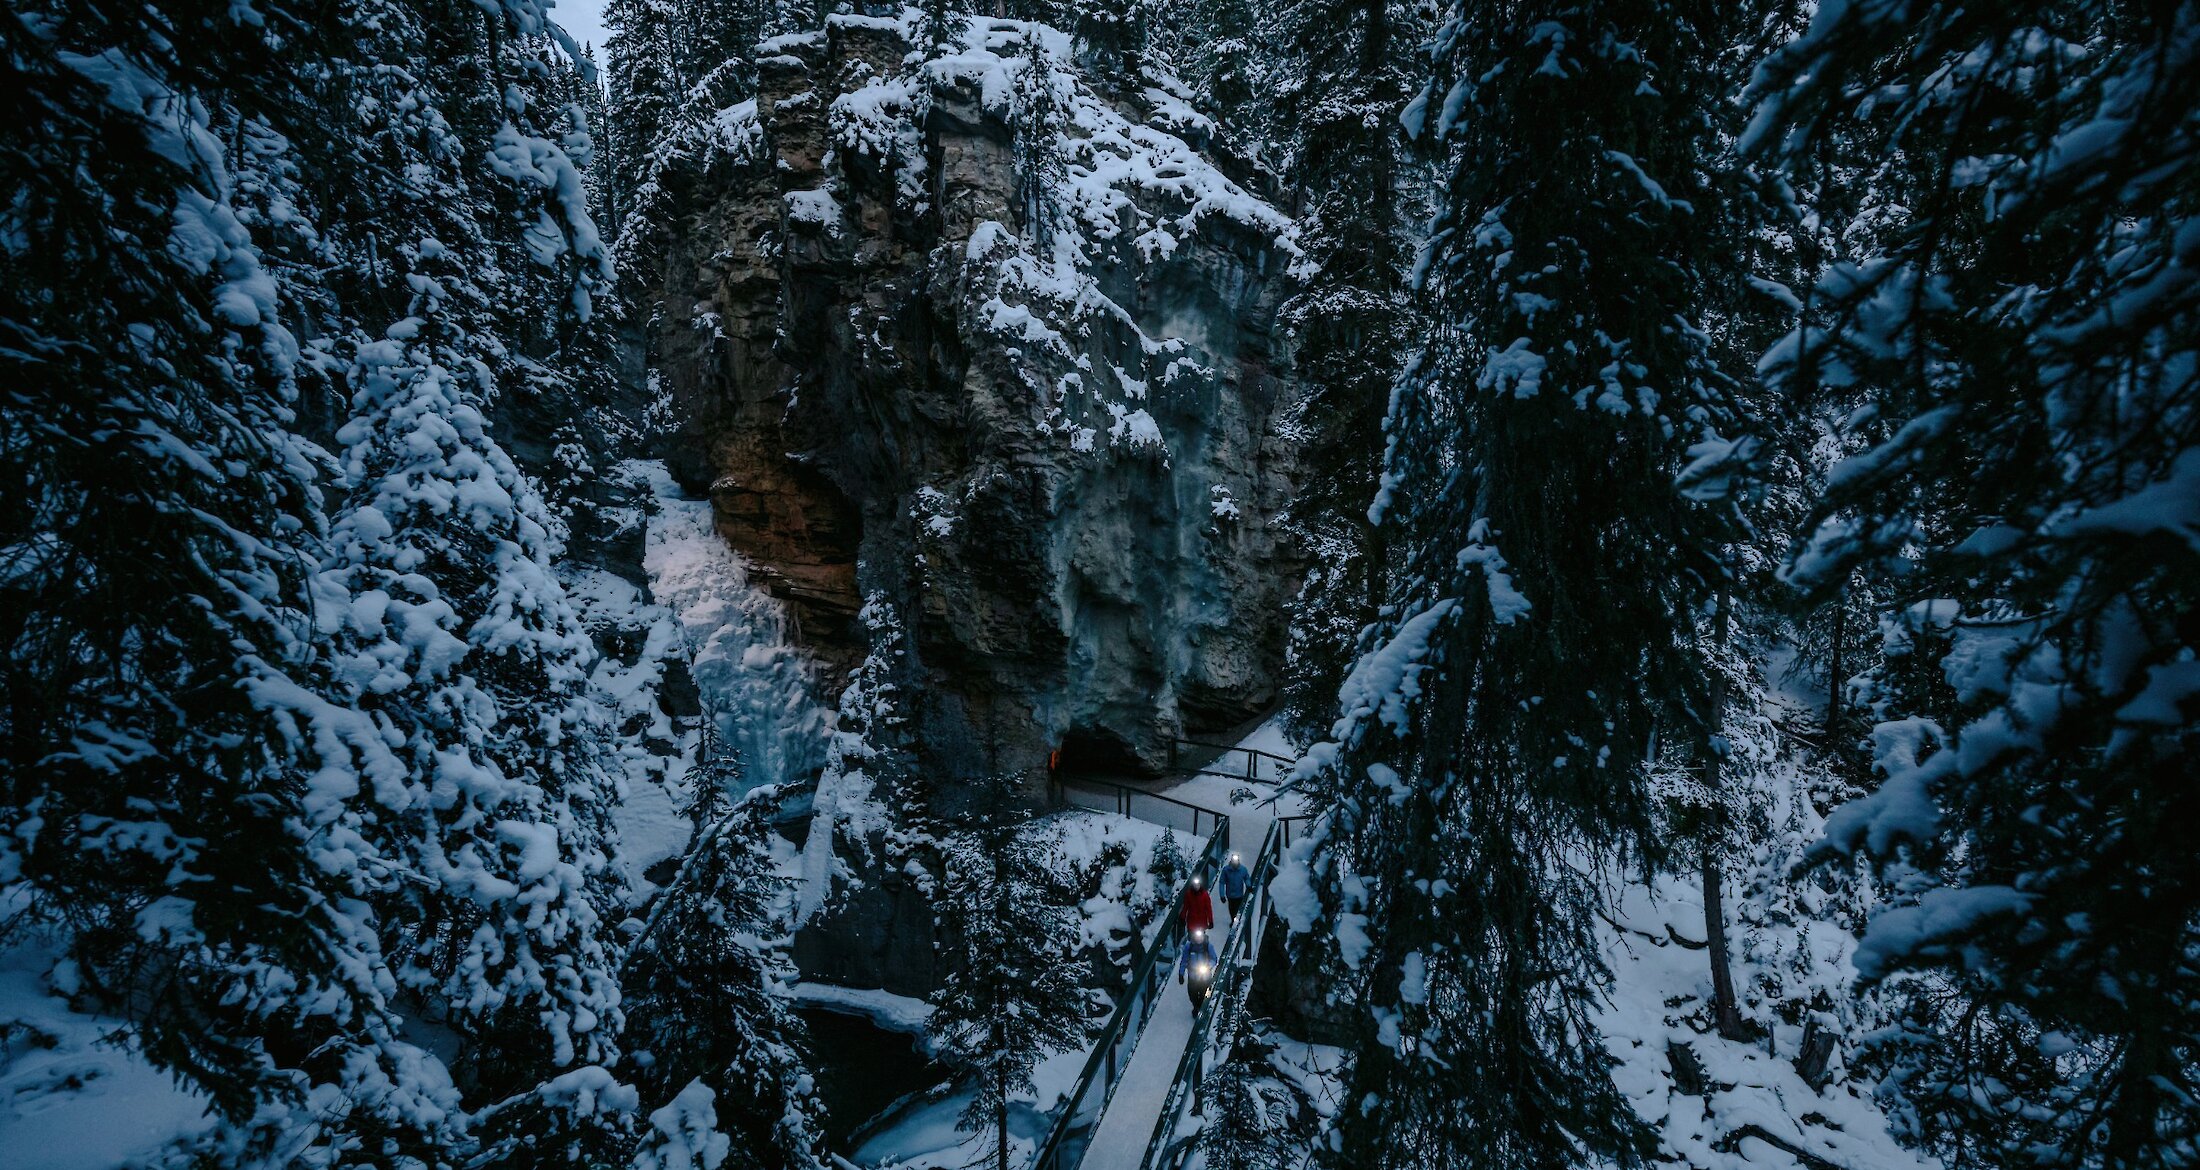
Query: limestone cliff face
<point>968,336</point>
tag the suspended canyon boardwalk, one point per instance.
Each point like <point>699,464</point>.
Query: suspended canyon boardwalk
<point>1127,1125</point>
<point>1143,1067</point>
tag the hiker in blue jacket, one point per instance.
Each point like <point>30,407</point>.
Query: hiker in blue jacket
<point>1195,966</point>
<point>1235,881</point>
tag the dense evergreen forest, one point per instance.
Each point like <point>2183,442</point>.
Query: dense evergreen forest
<point>521,561</point>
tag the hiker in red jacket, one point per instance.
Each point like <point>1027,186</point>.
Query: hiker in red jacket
<point>1199,909</point>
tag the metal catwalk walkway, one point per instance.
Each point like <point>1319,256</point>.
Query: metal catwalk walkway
<point>1142,1077</point>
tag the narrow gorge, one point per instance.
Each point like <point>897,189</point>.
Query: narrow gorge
<point>1099,585</point>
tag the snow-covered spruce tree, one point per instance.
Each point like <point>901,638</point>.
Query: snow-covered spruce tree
<point>470,229</point>
<point>2027,333</point>
<point>464,139</point>
<point>1240,1133</point>
<point>1346,80</point>
<point>941,26</point>
<point>161,518</point>
<point>1351,313</point>
<point>1011,996</point>
<point>453,633</point>
<point>589,97</point>
<point>1170,865</point>
<point>1038,122</point>
<point>1549,577</point>
<point>1218,54</point>
<point>671,60</point>
<point>1742,228</point>
<point>701,995</point>
<point>866,787</point>
<point>1249,1111</point>
<point>1113,34</point>
<point>642,84</point>
<point>259,161</point>
<point>489,127</point>
<point>673,67</point>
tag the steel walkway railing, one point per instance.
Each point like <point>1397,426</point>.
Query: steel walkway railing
<point>1064,1147</point>
<point>1107,796</point>
<point>1251,771</point>
<point>1210,1043</point>
<point>1074,1127</point>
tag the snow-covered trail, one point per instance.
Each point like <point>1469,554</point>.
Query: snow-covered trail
<point>1248,821</point>
<point>1127,1126</point>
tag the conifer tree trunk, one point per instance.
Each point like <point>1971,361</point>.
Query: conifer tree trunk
<point>1833,663</point>
<point>1726,1013</point>
<point>1000,1089</point>
<point>1001,907</point>
<point>1375,52</point>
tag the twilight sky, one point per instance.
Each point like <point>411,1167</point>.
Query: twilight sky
<point>582,18</point>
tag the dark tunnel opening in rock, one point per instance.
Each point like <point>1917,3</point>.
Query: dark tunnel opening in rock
<point>1099,751</point>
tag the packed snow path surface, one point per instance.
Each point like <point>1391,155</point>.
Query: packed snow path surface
<point>1126,1127</point>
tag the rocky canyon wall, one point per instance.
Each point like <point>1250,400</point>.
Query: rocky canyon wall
<point>960,331</point>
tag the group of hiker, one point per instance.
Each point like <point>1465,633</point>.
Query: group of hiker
<point>1197,961</point>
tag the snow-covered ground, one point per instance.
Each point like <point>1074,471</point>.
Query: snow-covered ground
<point>928,1136</point>
<point>1791,959</point>
<point>1129,893</point>
<point>69,1098</point>
<point>1656,980</point>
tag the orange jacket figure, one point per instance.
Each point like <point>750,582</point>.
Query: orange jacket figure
<point>1199,909</point>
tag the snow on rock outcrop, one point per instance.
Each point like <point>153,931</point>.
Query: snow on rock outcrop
<point>998,343</point>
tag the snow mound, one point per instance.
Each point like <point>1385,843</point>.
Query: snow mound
<point>70,1099</point>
